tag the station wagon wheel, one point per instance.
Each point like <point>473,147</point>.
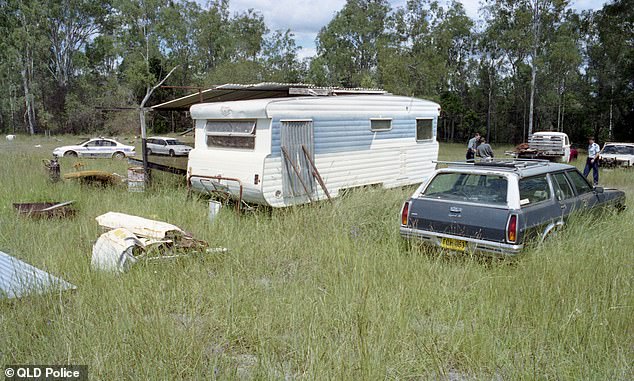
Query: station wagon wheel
<point>70,154</point>
<point>118,155</point>
<point>149,151</point>
<point>172,153</point>
<point>550,234</point>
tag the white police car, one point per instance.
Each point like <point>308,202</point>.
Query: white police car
<point>96,147</point>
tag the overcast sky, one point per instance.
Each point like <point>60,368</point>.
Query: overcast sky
<point>306,17</point>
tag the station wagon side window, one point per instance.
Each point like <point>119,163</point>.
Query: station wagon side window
<point>533,190</point>
<point>231,133</point>
<point>424,129</point>
<point>377,125</point>
<point>563,190</point>
<point>579,182</point>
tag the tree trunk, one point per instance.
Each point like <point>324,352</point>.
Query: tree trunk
<point>489,108</point>
<point>533,67</point>
<point>27,72</point>
<point>148,94</point>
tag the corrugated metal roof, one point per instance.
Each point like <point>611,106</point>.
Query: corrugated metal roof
<point>238,92</point>
<point>18,279</point>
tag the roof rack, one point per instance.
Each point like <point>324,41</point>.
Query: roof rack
<point>509,163</point>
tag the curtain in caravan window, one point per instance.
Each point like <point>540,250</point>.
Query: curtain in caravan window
<point>231,133</point>
<point>424,129</point>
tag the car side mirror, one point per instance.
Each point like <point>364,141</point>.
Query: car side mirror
<point>598,189</point>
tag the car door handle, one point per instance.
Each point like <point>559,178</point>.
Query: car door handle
<point>563,207</point>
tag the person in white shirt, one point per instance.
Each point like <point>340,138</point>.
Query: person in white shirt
<point>592,161</point>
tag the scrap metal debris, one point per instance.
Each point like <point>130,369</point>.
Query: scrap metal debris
<point>18,279</point>
<point>45,209</point>
<point>133,238</point>
<point>139,225</point>
<point>102,178</point>
<point>116,250</point>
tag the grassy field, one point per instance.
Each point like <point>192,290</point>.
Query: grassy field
<point>327,291</point>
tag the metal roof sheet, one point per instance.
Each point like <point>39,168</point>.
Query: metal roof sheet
<point>236,92</point>
<point>18,279</point>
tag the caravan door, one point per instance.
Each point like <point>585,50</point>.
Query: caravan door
<point>296,169</point>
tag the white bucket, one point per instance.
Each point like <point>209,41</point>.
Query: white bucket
<point>214,209</point>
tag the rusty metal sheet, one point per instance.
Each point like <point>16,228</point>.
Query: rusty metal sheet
<point>45,209</point>
<point>18,279</point>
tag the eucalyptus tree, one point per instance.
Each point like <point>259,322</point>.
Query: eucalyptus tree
<point>348,46</point>
<point>610,54</point>
<point>521,29</point>
<point>176,32</point>
<point>23,45</point>
<point>212,37</point>
<point>280,57</point>
<point>248,30</point>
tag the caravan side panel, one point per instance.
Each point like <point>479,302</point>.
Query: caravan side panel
<point>347,153</point>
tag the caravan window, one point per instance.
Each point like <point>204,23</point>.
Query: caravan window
<point>424,129</point>
<point>231,133</point>
<point>380,125</point>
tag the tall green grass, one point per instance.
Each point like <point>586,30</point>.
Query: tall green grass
<point>328,291</point>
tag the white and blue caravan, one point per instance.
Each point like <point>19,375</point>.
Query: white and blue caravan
<point>288,151</point>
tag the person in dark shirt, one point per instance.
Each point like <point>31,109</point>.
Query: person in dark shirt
<point>484,150</point>
<point>471,146</point>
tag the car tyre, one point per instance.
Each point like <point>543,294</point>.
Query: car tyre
<point>70,154</point>
<point>149,152</point>
<point>550,234</point>
<point>118,155</point>
<point>172,154</point>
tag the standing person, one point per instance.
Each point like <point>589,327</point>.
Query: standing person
<point>484,150</point>
<point>472,146</point>
<point>592,161</point>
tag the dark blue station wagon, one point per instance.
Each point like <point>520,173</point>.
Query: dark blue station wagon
<point>496,207</point>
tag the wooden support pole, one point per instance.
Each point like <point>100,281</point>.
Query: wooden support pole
<point>299,177</point>
<point>316,172</point>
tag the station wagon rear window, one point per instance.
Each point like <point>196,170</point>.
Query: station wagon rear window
<point>231,133</point>
<point>468,187</point>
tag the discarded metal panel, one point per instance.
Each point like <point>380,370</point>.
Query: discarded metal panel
<point>45,209</point>
<point>116,251</point>
<point>140,226</point>
<point>18,279</point>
